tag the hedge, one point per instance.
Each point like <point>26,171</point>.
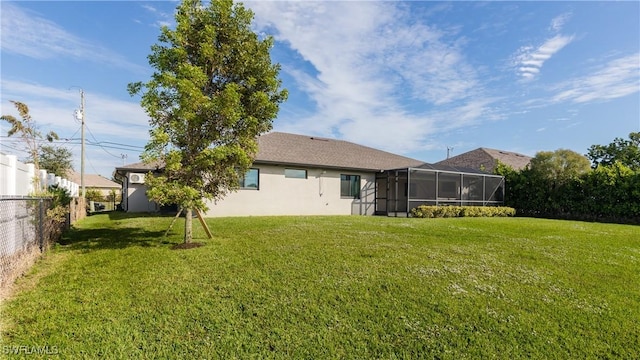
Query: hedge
<point>608,193</point>
<point>430,211</point>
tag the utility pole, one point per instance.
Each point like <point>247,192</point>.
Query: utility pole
<point>449,150</point>
<point>79,114</point>
<point>84,191</point>
<point>124,157</point>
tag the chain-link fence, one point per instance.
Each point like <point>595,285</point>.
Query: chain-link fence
<point>25,233</point>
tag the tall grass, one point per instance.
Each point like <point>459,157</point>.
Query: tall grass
<point>334,287</point>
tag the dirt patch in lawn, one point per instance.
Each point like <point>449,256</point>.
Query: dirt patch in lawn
<point>185,246</point>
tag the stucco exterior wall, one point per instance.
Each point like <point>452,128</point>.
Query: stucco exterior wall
<point>137,200</point>
<point>318,194</point>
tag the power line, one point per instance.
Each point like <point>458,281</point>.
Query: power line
<point>98,143</point>
<point>114,145</point>
<point>133,146</point>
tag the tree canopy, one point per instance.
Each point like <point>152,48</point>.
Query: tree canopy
<point>213,91</point>
<point>56,159</point>
<point>626,152</point>
<point>560,165</point>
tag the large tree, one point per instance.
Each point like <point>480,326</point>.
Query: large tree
<point>626,152</point>
<point>214,90</point>
<point>55,159</point>
<point>559,166</point>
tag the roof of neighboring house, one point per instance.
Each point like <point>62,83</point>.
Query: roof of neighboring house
<point>140,166</point>
<point>451,168</point>
<point>303,150</point>
<point>93,180</point>
<point>515,160</point>
<point>292,149</point>
<point>487,157</point>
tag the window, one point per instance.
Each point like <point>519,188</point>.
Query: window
<point>295,173</point>
<point>350,186</point>
<point>250,180</point>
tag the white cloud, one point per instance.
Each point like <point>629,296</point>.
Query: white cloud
<point>28,34</point>
<point>164,19</point>
<point>619,77</point>
<point>107,119</point>
<point>529,59</point>
<point>558,22</point>
<point>372,65</point>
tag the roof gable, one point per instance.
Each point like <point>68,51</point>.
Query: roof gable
<point>513,159</point>
<point>486,158</point>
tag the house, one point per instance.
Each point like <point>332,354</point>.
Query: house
<point>486,159</point>
<point>306,175</point>
<point>132,178</point>
<point>95,181</point>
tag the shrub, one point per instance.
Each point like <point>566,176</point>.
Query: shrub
<point>94,195</point>
<point>429,211</point>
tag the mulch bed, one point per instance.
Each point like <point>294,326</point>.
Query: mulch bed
<point>185,246</point>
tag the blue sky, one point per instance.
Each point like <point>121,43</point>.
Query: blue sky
<point>408,77</point>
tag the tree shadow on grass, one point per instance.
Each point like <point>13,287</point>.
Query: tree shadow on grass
<point>99,239</point>
<point>119,215</point>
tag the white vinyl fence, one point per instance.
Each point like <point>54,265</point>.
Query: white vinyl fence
<point>17,179</point>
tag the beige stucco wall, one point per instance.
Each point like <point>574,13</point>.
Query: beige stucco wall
<point>137,199</point>
<point>318,194</point>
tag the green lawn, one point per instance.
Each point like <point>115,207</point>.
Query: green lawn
<point>333,287</point>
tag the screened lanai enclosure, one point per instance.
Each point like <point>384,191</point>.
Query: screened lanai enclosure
<point>399,191</point>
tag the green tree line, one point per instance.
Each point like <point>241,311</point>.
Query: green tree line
<point>604,185</point>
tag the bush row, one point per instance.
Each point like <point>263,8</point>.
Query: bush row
<point>430,211</point>
<point>607,193</point>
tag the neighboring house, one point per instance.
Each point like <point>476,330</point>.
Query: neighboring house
<point>486,159</point>
<point>94,181</point>
<point>132,178</point>
<point>306,175</point>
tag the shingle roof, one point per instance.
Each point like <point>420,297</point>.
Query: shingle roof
<point>292,149</point>
<point>93,180</point>
<point>451,168</point>
<point>515,160</point>
<point>486,158</point>
<point>303,150</point>
<point>140,166</point>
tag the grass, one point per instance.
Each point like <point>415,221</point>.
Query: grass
<point>333,287</point>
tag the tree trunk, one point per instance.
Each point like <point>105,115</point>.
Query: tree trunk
<point>188,225</point>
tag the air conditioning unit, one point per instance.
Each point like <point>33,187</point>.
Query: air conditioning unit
<point>135,178</point>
